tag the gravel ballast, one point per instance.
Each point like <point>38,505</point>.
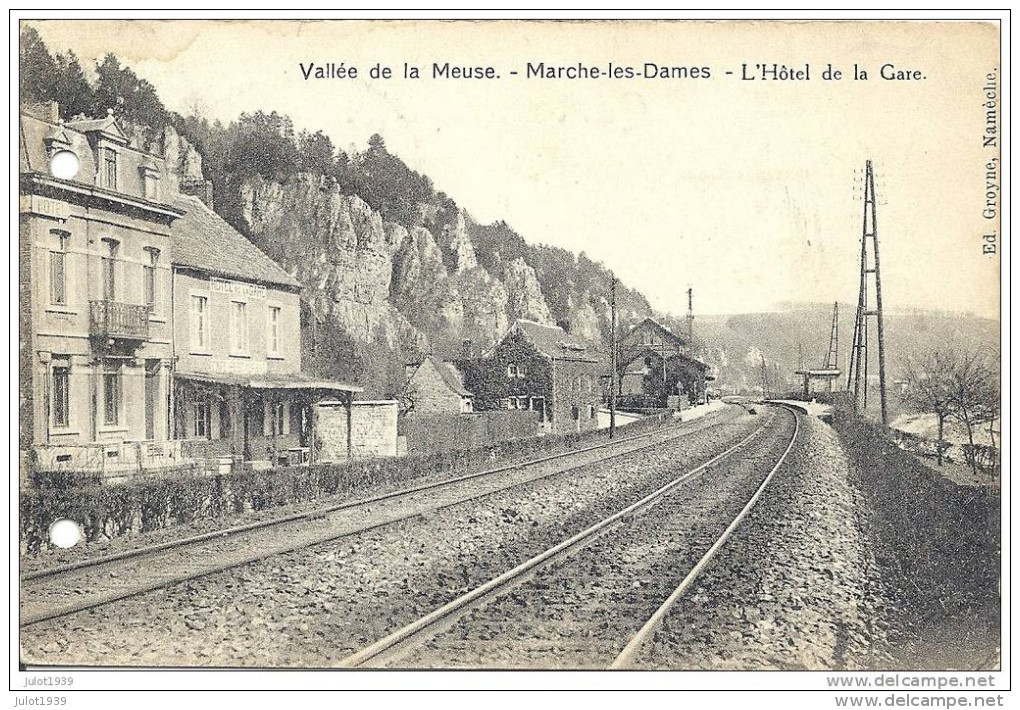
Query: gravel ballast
<point>311,607</point>
<point>789,590</point>
<point>580,611</point>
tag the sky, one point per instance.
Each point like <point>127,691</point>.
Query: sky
<point>748,191</point>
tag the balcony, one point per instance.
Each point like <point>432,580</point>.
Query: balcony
<point>110,320</point>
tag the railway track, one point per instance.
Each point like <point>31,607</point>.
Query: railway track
<point>60,591</point>
<point>595,599</point>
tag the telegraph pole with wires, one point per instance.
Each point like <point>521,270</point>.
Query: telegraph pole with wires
<point>869,305</point>
<point>690,318</point>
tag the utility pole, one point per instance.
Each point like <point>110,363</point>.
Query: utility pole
<point>764,379</point>
<point>613,374</point>
<point>859,355</point>
<point>690,318</point>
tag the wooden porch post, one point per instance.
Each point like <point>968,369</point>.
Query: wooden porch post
<point>271,397</point>
<point>312,424</point>
<point>236,409</point>
<point>347,400</point>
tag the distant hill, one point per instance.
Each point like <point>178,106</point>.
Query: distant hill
<point>735,343</point>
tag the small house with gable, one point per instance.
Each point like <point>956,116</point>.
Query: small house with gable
<point>435,387</point>
<point>654,365</point>
<point>540,368</point>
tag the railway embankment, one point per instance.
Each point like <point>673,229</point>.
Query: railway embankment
<point>118,518</point>
<point>934,547</point>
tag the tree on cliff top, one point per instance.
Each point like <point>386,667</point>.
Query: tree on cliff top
<point>119,89</point>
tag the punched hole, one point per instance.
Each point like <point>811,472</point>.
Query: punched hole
<point>65,533</point>
<point>64,164</point>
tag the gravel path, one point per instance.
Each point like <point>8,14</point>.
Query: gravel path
<point>581,611</point>
<point>314,606</point>
<point>789,590</point>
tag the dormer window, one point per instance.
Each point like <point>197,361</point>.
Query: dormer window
<point>64,162</point>
<point>109,168</point>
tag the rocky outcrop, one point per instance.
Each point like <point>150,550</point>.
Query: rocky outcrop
<point>453,305</point>
<point>524,293</point>
<point>416,290</point>
<point>337,247</point>
<point>457,246</point>
<point>183,161</point>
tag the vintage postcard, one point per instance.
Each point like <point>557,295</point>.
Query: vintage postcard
<point>513,345</point>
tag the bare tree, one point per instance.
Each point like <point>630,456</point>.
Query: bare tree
<point>973,396</point>
<point>989,400</point>
<point>930,386</point>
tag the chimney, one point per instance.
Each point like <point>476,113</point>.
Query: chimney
<point>409,369</point>
<point>202,189</point>
<point>46,110</point>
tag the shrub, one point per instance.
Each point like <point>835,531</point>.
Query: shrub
<point>106,512</point>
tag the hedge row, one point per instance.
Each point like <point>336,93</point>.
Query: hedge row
<point>936,543</point>
<point>105,512</point>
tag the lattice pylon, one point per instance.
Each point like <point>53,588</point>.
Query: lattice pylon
<point>869,306</point>
<point>832,354</point>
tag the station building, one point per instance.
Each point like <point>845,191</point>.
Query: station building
<point>655,368</point>
<point>96,326</point>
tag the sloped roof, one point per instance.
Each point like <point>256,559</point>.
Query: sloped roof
<point>448,373</point>
<point>204,241</point>
<point>451,377</point>
<point>554,342</point>
<point>107,125</point>
<point>650,323</point>
<point>287,380</point>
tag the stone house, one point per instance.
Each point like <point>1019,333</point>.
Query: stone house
<point>435,387</point>
<point>240,392</point>
<point>540,368</point>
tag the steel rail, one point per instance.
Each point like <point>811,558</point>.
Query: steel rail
<point>400,639</point>
<point>629,653</point>
<point>46,615</point>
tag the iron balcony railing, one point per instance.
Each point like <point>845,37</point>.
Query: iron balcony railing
<point>126,321</point>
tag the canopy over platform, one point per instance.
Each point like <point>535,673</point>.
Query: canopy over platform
<point>293,381</point>
<point>828,376</point>
<point>819,374</point>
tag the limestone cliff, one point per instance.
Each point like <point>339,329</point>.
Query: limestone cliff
<point>395,291</point>
<point>337,247</point>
